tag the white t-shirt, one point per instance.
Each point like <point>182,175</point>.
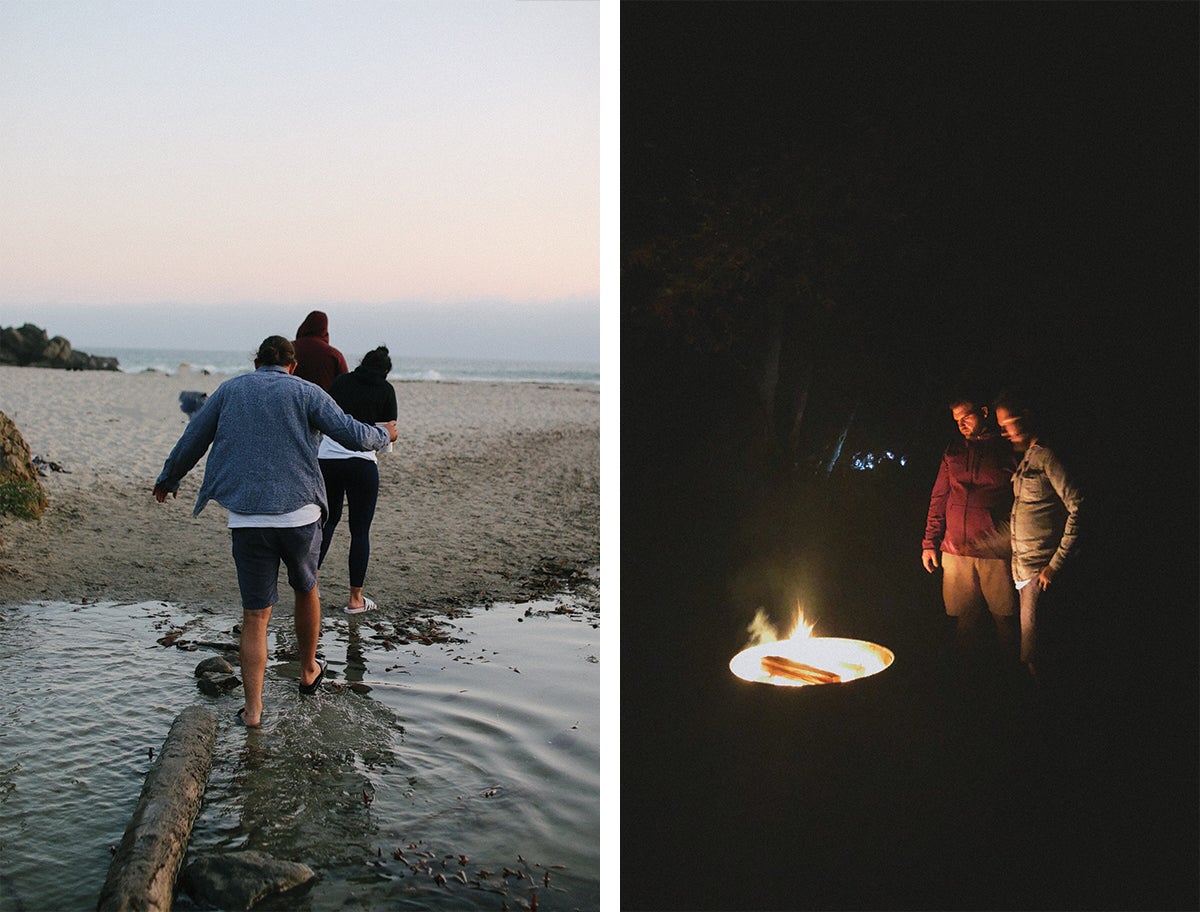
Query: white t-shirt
<point>302,517</point>
<point>331,449</point>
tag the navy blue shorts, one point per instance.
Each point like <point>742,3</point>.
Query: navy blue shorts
<point>257,553</point>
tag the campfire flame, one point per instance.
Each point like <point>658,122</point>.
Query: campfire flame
<point>799,658</point>
<point>763,630</point>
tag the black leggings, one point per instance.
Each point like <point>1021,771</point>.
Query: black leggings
<point>357,482</point>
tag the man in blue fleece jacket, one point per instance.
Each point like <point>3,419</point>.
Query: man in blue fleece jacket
<point>264,429</point>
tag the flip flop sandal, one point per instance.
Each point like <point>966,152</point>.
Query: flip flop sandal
<point>368,605</point>
<point>307,689</point>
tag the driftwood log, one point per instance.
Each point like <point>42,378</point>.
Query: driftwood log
<point>142,873</point>
<point>797,671</point>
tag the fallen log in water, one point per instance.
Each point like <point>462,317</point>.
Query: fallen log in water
<point>142,873</point>
<point>797,671</point>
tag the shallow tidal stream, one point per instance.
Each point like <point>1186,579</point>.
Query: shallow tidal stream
<point>458,770</point>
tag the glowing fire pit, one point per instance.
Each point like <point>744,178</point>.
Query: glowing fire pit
<point>803,659</point>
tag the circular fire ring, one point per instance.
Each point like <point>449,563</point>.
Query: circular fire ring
<point>810,660</point>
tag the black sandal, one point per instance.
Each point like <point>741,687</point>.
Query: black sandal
<point>307,689</point>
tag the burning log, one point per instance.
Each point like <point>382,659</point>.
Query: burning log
<point>780,666</point>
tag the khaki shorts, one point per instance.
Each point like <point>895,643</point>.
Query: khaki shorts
<point>970,582</point>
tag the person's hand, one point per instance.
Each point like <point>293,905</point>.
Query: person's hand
<point>390,427</point>
<point>1045,577</point>
<point>160,493</point>
<point>929,558</point>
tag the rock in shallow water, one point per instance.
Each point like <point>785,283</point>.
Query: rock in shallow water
<point>238,880</point>
<point>216,665</point>
<point>214,683</point>
<point>215,676</point>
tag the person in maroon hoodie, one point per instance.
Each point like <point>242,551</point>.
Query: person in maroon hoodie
<point>965,531</point>
<point>316,360</point>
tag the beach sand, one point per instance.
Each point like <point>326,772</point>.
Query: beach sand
<point>492,493</point>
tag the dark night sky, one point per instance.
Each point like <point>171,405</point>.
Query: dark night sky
<point>1061,146</point>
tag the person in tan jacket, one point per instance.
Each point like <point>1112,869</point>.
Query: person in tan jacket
<point>1045,519</point>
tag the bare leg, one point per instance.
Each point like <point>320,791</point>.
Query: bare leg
<point>356,597</point>
<point>308,632</point>
<point>253,650</point>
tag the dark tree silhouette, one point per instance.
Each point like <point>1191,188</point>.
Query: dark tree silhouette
<point>807,270</point>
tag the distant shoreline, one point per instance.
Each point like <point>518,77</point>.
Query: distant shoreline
<point>136,360</point>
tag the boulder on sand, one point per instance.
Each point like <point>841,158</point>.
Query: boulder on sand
<point>21,492</point>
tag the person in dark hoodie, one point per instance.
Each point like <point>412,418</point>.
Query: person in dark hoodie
<point>316,360</point>
<point>351,475</point>
<point>965,529</point>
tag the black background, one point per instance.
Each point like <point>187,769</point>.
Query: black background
<point>1048,165</point>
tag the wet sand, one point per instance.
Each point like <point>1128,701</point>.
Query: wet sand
<point>492,493</point>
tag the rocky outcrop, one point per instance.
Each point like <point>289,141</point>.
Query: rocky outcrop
<point>31,346</point>
<point>21,492</point>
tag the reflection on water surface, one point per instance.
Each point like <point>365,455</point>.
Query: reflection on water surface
<point>459,772</point>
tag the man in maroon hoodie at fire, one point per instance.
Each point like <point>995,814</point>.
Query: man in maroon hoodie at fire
<point>966,529</point>
<point>316,360</point>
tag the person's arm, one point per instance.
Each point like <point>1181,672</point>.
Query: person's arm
<point>327,417</point>
<point>190,447</point>
<point>935,521</point>
<point>1068,492</point>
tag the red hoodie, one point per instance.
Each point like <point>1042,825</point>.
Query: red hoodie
<point>971,496</point>
<point>316,360</point>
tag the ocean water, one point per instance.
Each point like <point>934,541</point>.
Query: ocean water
<point>456,771</point>
<point>168,361</point>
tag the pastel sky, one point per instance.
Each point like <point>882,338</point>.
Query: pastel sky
<point>415,162</point>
